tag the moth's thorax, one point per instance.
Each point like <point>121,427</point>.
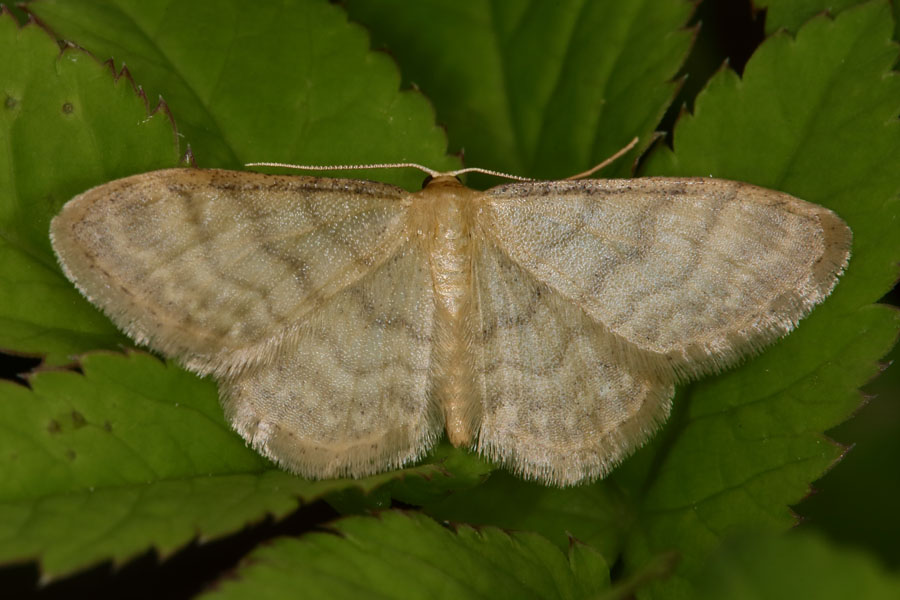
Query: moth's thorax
<point>443,215</point>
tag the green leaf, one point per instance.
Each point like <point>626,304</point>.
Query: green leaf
<point>132,454</point>
<point>273,81</point>
<point>537,88</point>
<point>795,566</point>
<point>745,445</point>
<point>69,124</point>
<point>855,503</point>
<point>397,555</point>
<point>455,469</point>
<point>595,514</point>
<point>742,447</point>
<point>792,14</point>
<point>59,115</point>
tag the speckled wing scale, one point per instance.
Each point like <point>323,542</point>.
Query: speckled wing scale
<point>631,286</point>
<point>303,296</point>
<point>544,324</point>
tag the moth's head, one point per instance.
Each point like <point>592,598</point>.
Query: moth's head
<point>441,180</point>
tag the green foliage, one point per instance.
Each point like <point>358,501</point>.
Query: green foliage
<point>55,123</point>
<point>279,82</point>
<point>594,514</point>
<point>395,555</point>
<point>794,566</point>
<point>131,453</point>
<point>766,418</point>
<point>792,14</point>
<point>852,500</point>
<point>533,87</point>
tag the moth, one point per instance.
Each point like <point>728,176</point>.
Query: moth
<point>542,324</point>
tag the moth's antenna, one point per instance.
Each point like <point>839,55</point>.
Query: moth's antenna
<point>488,172</point>
<point>431,172</point>
<point>606,162</point>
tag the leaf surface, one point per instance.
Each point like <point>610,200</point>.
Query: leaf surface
<point>275,81</point>
<point>539,89</point>
<point>744,446</point>
<point>397,555</point>
<point>792,14</point>
<point>796,566</point>
<point>133,454</point>
<point>77,493</point>
<point>55,125</point>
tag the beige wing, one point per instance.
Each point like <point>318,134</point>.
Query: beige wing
<point>702,271</point>
<point>562,399</point>
<point>351,393</point>
<point>219,268</point>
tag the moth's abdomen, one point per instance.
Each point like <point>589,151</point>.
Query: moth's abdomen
<point>444,222</point>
